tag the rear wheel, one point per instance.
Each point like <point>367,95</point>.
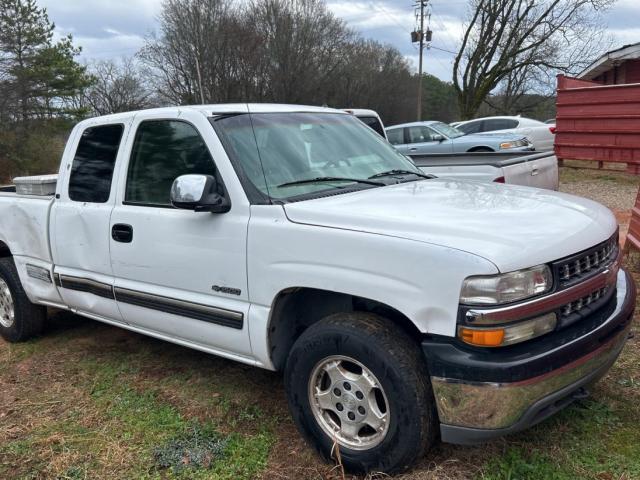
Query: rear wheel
<point>19,318</point>
<point>357,381</point>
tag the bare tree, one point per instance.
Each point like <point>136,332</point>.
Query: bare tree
<point>303,47</point>
<point>293,51</point>
<point>199,52</point>
<point>509,42</point>
<point>117,87</point>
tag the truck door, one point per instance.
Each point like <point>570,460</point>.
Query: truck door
<point>180,273</point>
<point>80,221</point>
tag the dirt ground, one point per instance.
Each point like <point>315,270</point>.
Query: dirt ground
<point>89,401</point>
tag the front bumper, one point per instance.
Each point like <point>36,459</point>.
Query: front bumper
<point>482,395</point>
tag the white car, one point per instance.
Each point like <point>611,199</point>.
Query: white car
<point>542,135</point>
<point>397,305</point>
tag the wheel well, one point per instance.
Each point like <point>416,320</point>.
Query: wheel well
<point>480,149</point>
<point>296,309</point>
<point>4,250</point>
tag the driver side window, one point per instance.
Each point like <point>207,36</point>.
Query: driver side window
<point>162,151</point>
<point>419,135</point>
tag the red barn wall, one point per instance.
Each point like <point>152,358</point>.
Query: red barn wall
<point>597,122</point>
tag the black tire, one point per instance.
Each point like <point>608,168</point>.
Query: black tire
<point>395,360</point>
<point>28,318</point>
<point>481,150</point>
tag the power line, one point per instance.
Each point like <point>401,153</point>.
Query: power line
<point>381,9</point>
<point>445,31</point>
<point>443,50</point>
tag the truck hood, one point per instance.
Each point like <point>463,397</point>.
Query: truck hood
<point>514,227</point>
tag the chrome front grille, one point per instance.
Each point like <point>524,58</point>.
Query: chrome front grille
<point>583,265</point>
<point>581,303</point>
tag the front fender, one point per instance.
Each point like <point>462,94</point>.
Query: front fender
<point>420,280</point>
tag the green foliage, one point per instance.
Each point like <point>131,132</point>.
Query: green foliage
<point>32,153</point>
<point>40,81</point>
<point>439,100</point>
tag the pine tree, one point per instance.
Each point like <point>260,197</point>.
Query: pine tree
<point>39,81</point>
<point>39,77</point>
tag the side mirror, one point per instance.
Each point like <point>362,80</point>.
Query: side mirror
<point>198,193</point>
<point>437,138</point>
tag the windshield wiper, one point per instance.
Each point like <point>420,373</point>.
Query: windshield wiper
<point>388,173</point>
<point>331,179</point>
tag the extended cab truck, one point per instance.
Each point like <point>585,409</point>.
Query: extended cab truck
<point>399,306</point>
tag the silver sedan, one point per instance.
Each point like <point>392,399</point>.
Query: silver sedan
<point>436,137</point>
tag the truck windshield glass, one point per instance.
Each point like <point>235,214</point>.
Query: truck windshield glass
<point>278,152</point>
<point>447,130</point>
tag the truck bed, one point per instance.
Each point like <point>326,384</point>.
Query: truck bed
<point>24,224</point>
<point>535,170</point>
<point>495,159</point>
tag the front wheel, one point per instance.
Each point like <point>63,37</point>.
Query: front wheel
<point>359,382</point>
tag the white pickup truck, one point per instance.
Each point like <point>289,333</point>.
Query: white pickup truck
<point>399,306</point>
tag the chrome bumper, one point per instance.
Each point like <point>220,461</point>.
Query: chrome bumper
<point>471,412</point>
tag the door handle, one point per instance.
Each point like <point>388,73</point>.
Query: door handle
<point>121,232</point>
<point>414,149</point>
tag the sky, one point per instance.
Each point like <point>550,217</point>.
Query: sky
<point>108,29</point>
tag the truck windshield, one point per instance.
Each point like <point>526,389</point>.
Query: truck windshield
<point>278,153</point>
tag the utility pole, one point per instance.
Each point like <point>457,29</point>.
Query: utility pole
<point>420,35</point>
<point>196,55</point>
<point>199,80</point>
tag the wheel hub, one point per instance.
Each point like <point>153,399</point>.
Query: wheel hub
<point>7,310</point>
<point>348,402</point>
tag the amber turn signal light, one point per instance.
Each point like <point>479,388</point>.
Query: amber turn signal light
<point>482,338</point>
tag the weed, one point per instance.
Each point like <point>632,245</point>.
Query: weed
<point>517,464</point>
<point>197,448</point>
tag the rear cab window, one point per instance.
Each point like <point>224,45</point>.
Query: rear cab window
<point>373,123</point>
<point>94,162</point>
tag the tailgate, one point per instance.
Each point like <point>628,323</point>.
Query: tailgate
<point>539,172</point>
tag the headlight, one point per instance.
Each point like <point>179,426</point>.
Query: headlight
<point>506,287</point>
<point>504,145</point>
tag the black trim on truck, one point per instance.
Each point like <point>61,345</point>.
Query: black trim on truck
<point>197,311</point>
<point>87,285</point>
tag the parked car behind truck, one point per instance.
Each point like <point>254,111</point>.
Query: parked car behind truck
<point>398,306</point>
<point>541,135</point>
<point>420,138</point>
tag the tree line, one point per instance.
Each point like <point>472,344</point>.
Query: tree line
<point>281,51</point>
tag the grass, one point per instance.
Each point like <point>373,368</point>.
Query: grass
<point>91,401</point>
<point>88,401</point>
<point>112,421</point>
<point>577,174</point>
